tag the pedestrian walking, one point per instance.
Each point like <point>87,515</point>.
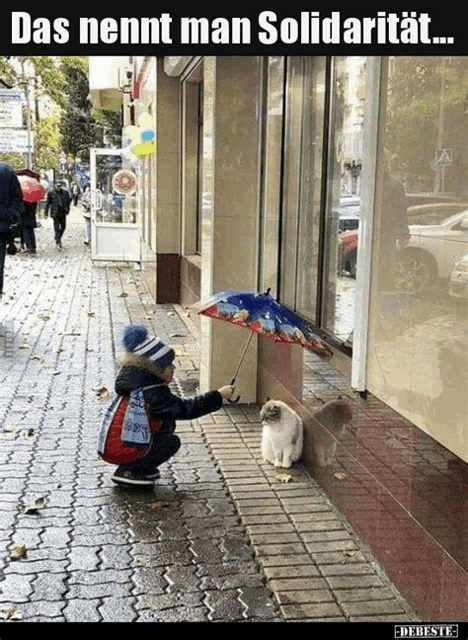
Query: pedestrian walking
<point>147,366</point>
<point>86,204</point>
<point>58,201</point>
<point>28,224</point>
<point>11,207</point>
<point>76,193</point>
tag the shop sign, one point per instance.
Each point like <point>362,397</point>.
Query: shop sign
<point>15,140</point>
<point>124,182</point>
<point>11,109</point>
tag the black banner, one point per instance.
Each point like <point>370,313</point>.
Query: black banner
<point>168,30</point>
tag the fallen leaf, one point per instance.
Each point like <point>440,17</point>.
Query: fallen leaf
<point>284,477</point>
<point>19,551</point>
<point>101,392</point>
<point>123,295</point>
<point>340,475</point>
<point>348,552</point>
<point>159,504</point>
<point>10,614</point>
<point>39,503</point>
<point>9,429</point>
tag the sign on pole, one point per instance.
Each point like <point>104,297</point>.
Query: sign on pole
<point>11,108</point>
<point>15,140</point>
<point>444,157</point>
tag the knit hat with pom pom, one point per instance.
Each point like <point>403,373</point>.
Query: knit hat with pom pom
<point>135,340</point>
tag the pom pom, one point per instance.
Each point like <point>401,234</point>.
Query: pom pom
<point>133,336</point>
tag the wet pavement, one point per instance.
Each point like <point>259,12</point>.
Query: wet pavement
<point>222,536</point>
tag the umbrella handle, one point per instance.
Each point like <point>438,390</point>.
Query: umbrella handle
<point>233,400</point>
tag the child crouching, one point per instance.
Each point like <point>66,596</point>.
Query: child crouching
<point>147,364</point>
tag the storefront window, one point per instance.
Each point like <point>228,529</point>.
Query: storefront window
<point>418,341</point>
<point>273,108</point>
<point>194,201</point>
<point>325,104</point>
<point>310,193</point>
<point>343,205</point>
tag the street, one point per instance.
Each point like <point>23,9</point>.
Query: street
<point>220,538</point>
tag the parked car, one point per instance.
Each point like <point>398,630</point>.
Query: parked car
<point>436,241</point>
<point>348,213</point>
<point>347,247</point>
<point>437,247</point>
<point>458,284</point>
<point>348,224</point>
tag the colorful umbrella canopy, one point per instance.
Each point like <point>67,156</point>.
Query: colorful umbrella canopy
<point>261,313</point>
<point>32,189</point>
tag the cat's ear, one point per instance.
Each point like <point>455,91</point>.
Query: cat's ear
<point>268,399</point>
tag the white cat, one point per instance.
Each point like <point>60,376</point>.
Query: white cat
<point>282,434</point>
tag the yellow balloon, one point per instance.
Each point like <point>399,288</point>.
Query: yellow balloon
<point>143,149</point>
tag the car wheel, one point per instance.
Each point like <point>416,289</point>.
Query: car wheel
<point>414,272</point>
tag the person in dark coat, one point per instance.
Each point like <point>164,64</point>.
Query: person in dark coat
<point>58,201</point>
<point>28,224</point>
<point>11,207</point>
<point>148,362</point>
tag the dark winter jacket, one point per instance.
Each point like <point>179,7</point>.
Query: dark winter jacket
<point>163,405</point>
<point>58,202</point>
<point>11,200</point>
<point>28,218</point>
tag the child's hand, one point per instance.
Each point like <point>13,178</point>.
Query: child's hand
<point>226,391</point>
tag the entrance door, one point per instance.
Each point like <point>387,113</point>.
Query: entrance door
<point>115,233</point>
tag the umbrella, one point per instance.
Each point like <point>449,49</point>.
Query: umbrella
<point>262,314</point>
<point>28,172</point>
<point>31,188</point>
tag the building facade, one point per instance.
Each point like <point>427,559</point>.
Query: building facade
<point>341,184</point>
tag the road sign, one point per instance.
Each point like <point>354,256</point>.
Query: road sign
<point>15,140</point>
<point>11,114</point>
<point>444,157</point>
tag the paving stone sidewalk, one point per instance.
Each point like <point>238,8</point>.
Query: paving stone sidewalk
<point>223,537</point>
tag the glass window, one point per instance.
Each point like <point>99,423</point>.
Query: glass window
<point>310,194</point>
<point>418,342</point>
<point>193,199</point>
<point>111,205</point>
<point>290,208</point>
<point>345,157</point>
<point>325,103</point>
<point>302,193</point>
<point>272,111</point>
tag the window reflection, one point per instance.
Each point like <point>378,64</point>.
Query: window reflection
<point>322,201</point>
<point>349,88</point>
<point>310,188</point>
<point>419,333</point>
<point>110,205</point>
